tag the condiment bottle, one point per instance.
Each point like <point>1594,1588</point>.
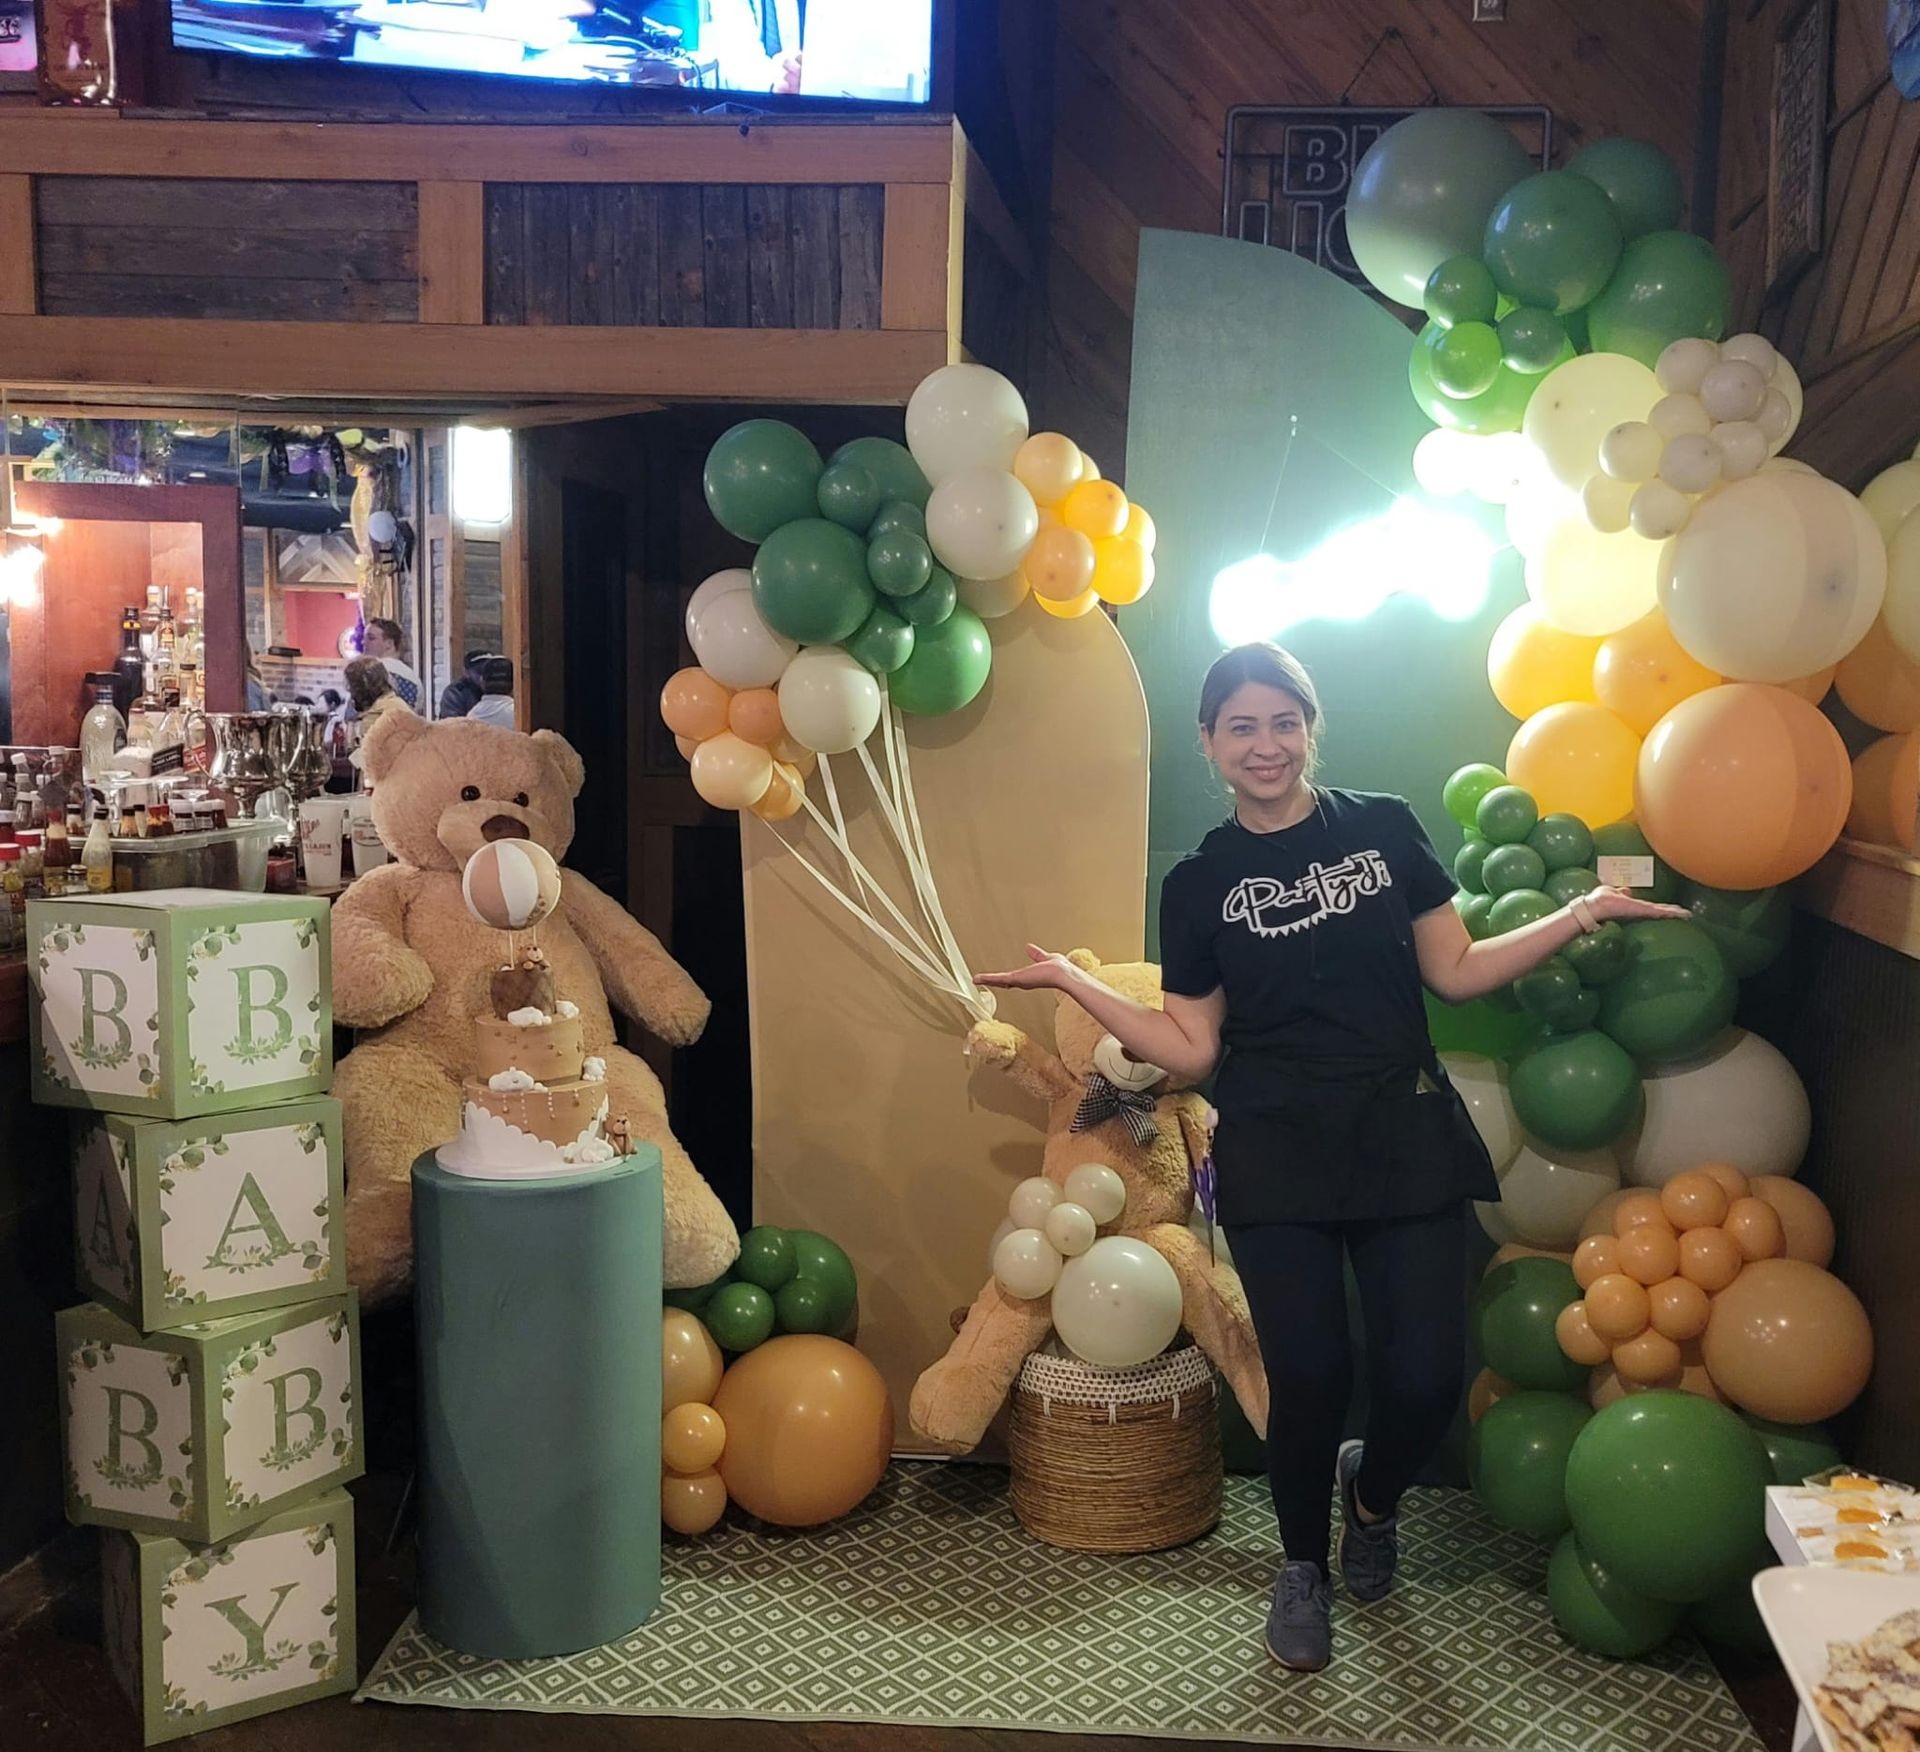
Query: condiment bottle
<point>13,899</point>
<point>56,856</point>
<point>96,856</point>
<point>33,862</point>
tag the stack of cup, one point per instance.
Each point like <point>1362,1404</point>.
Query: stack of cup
<point>323,823</point>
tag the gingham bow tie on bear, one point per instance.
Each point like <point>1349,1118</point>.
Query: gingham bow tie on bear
<point>1103,1100</point>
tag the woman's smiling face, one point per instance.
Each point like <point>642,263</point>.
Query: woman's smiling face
<point>1260,742</point>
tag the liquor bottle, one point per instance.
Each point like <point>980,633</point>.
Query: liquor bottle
<point>103,731</point>
<point>129,667</point>
<point>89,53</point>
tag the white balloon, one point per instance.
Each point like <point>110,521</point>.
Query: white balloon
<point>1733,390</point>
<point>1743,448</point>
<point>1690,463</point>
<point>1683,365</point>
<point>965,416</point>
<point>1658,511</point>
<point>1118,1304</point>
<point>1111,1060</point>
<point>1606,502</point>
<point>1493,1221</point>
<point>1787,381</point>
<point>1590,583</point>
<point>1544,1196</point>
<point>1754,350</point>
<point>1579,403</point>
<point>830,703</point>
<point>1482,1084</point>
<point>1678,415</point>
<point>1739,1102</point>
<point>1892,496</point>
<point>1631,451</point>
<point>1775,418</point>
<point>980,522</point>
<point>1441,462</point>
<point>1000,1234</point>
<point>1027,1264</point>
<point>731,641</point>
<point>1098,1189</point>
<point>1031,1201</point>
<point>1499,465</point>
<point>1069,1228</point>
<point>990,598</point>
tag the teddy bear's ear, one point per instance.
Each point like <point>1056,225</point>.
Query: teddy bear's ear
<point>387,741</point>
<point>1084,959</point>
<point>571,768</point>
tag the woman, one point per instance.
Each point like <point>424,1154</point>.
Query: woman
<point>1295,941</point>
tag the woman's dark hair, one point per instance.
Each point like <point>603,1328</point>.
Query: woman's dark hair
<point>1265,663</point>
<point>367,680</point>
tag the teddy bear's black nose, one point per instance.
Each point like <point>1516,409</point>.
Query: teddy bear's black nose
<point>499,827</point>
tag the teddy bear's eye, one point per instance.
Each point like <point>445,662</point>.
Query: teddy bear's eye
<point>469,793</point>
<point>520,797</point>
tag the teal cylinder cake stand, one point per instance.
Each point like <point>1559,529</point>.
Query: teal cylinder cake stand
<point>537,1308</point>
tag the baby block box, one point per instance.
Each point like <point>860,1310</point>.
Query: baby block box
<point>190,1220</point>
<point>178,1002</point>
<point>204,1429</point>
<point>202,1635</point>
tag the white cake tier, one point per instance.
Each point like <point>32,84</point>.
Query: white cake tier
<point>488,1148</point>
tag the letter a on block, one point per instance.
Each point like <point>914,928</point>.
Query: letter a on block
<point>103,1235</point>
<point>117,1431</point>
<point>250,1005</point>
<point>283,1413</point>
<point>92,1011</point>
<point>253,1630</point>
<point>264,1223</point>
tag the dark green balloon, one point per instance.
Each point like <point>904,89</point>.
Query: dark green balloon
<point>766,1257</point>
<point>810,582</point>
<point>1563,843</point>
<point>1467,864</point>
<point>1621,839</point>
<point>825,1263</point>
<point>1669,285</point>
<point>1566,885</point>
<point>949,666</point>
<point>1460,290</point>
<point>1517,1460</point>
<point>1552,241</point>
<point>883,643</point>
<point>696,1299</point>
<point>803,1306</point>
<point>1581,1013</point>
<point>740,1316</point>
<point>1499,409</point>
<point>899,562</point>
<point>1598,1612</point>
<point>1510,868</point>
<point>933,601</point>
<point>892,465</point>
<point>1638,179</point>
<point>1475,912</point>
<point>1602,955</point>
<point>1576,1091</point>
<point>1749,927</point>
<point>849,496</point>
<point>1795,1451</point>
<point>1674,997</point>
<point>1729,1619</point>
<point>1522,907</point>
<point>759,475</point>
<point>1461,794</point>
<point>1512,1316</point>
<point>898,517</point>
<point>1668,1492</point>
<point>1533,341</point>
<point>1466,359</point>
<point>1549,992</point>
<point>1506,815</point>
<point>1475,1026</point>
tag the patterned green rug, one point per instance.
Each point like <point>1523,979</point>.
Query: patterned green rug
<point>930,1605</point>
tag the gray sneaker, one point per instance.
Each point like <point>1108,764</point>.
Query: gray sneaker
<point>1300,1621</point>
<point>1369,1551</point>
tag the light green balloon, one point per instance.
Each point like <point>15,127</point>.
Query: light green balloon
<point>1638,179</point>
<point>1499,409</point>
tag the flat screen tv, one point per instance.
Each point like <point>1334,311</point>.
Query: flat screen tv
<point>865,52</point>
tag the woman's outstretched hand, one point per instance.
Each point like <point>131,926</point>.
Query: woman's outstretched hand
<point>1044,971</point>
<point>1622,903</point>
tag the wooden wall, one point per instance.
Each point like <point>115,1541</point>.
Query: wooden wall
<point>1143,87</point>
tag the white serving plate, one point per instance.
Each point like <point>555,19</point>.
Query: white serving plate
<point>1806,1607</point>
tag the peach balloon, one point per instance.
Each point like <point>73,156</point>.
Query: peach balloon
<point>1789,1341</point>
<point>1709,1258</point>
<point>730,773</point>
<point>1059,565</point>
<point>1486,1389</point>
<point>1085,603</point>
<point>1678,1308</point>
<point>1576,759</point>
<point>690,1362</point>
<point>694,704</point>
<point>1730,1179</point>
<point>1599,1220</point>
<point>1879,683</point>
<point>785,794</point>
<point>1532,664</point>
<point>1641,673</point>
<point>686,745</point>
<point>1604,1386</point>
<point>753,715</point>
<point>1886,792</point>
<point>1742,786</point>
<point>1049,465</point>
<point>1649,1253</point>
<point>692,1505</point>
<point>1812,688</point>
<point>1693,1201</point>
<point>1578,1339</point>
<point>1595,1258</point>
<point>1638,1208</point>
<point>1755,1228</point>
<point>1647,1360</point>
<point>1095,508</point>
<point>1804,1218</point>
<point>809,1429</point>
<point>691,1439</point>
<point>1617,1307</point>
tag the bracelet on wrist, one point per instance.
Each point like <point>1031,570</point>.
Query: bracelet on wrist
<point>1582,910</point>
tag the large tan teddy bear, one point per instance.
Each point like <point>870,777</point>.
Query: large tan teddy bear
<point>955,1400</point>
<point>412,964</point>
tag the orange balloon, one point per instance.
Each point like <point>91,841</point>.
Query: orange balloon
<point>1141,530</point>
<point>1576,760</point>
<point>1649,1253</point>
<point>1879,683</point>
<point>1578,1339</point>
<point>1059,565</point>
<point>1886,792</point>
<point>809,1429</point>
<point>1604,1386</point>
<point>1599,1220</point>
<point>785,796</point>
<point>690,1362</point>
<point>694,704</point>
<point>1804,1218</point>
<point>1532,664</point>
<point>1731,1181</point>
<point>1649,1360</point>
<point>1641,673</point>
<point>1095,508</point>
<point>1789,1341</point>
<point>754,715</point>
<point>1637,1208</point>
<point>1755,1228</point>
<point>1812,688</point>
<point>1709,1258</point>
<point>692,1505</point>
<point>1594,1258</point>
<point>1049,465</point>
<point>1082,604</point>
<point>1742,786</point>
<point>686,745</point>
<point>1617,1307</point>
<point>1521,1250</point>
<point>1678,1308</point>
<point>1487,1389</point>
<point>1122,571</point>
<point>691,1439</point>
<point>1693,1201</point>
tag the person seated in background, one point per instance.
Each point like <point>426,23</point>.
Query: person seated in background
<point>496,700</point>
<point>258,699</point>
<point>462,694</point>
<point>383,640</point>
<point>370,693</point>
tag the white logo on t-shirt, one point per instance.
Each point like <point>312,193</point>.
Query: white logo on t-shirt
<point>1271,908</point>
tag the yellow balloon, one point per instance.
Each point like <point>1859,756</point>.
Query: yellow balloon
<point>692,1505</point>
<point>1576,760</point>
<point>690,1362</point>
<point>730,772</point>
<point>1082,604</point>
<point>1122,571</point>
<point>692,1438</point>
<point>1096,508</point>
<point>785,795</point>
<point>1902,610</point>
<point>1532,664</point>
<point>1579,403</point>
<point>1640,673</point>
<point>1049,466</point>
<point>1886,792</point>
<point>1591,583</point>
<point>1892,496</point>
<point>1879,683</point>
<point>1141,530</point>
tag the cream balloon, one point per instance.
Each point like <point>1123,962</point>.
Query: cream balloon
<point>1733,390</point>
<point>1739,1102</point>
<point>1536,511</point>
<point>1005,1228</point>
<point>828,702</point>
<point>1482,1084</point>
<point>1493,1222</point>
<point>730,639</point>
<point>1787,381</point>
<point>1440,462</point>
<point>1743,449</point>
<point>1578,403</point>
<point>1690,463</point>
<point>1775,418</point>
<point>1607,502</point>
<point>1118,1304</point>
<point>1589,582</point>
<point>731,773</point>
<point>1098,1189</point>
<point>1683,365</point>
<point>1026,1264</point>
<point>1754,350</point>
<point>1659,512</point>
<point>990,598</point>
<point>1545,1196</point>
<point>1680,416</point>
<point>1891,497</point>
<point>1069,1229</point>
<point>962,417</point>
<point>1031,1201</point>
<point>980,522</point>
<point>1903,588</point>
<point>1631,451</point>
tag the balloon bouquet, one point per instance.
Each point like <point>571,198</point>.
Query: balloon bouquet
<point>867,603</point>
<point>1661,1335</point>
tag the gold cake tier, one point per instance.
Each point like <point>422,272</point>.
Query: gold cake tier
<point>559,1115</point>
<point>549,1052</point>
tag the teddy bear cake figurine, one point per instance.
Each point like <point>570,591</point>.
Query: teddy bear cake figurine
<point>499,1063</point>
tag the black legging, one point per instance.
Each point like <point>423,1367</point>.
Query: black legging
<point>1410,1273</point>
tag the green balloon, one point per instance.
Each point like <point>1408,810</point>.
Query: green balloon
<point>1507,869</point>
<point>1577,336</point>
<point>1467,865</point>
<point>1668,1492</point>
<point>696,1299</point>
<point>1533,341</point>
<point>824,1262</point>
<point>1498,409</point>
<point>759,475</point>
<point>1795,1451</point>
<point>1674,997</point>
<point>1552,241</point>
<point>1748,927</point>
<point>1476,1026</point>
<point>1729,1619</point>
<point>1460,290</point>
<point>740,1316</point>
<point>1466,359</point>
<point>849,496</point>
<point>803,1306</point>
<point>810,582</point>
<point>1581,1013</point>
<point>1461,794</point>
<point>933,601</point>
<point>890,464</point>
<point>898,562</point>
<point>883,643</point>
<point>1517,1460</point>
<point>1639,181</point>
<point>1563,843</point>
<point>898,517</point>
<point>1598,1612</point>
<point>1512,1318</point>
<point>1669,285</point>
<point>1506,815</point>
<point>1621,839</point>
<point>1550,992</point>
<point>1522,907</point>
<point>766,1257</point>
<point>1576,1091</point>
<point>1600,955</point>
<point>1566,885</point>
<point>1476,913</point>
<point>949,666</point>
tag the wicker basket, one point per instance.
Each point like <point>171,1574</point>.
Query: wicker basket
<point>1117,1460</point>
